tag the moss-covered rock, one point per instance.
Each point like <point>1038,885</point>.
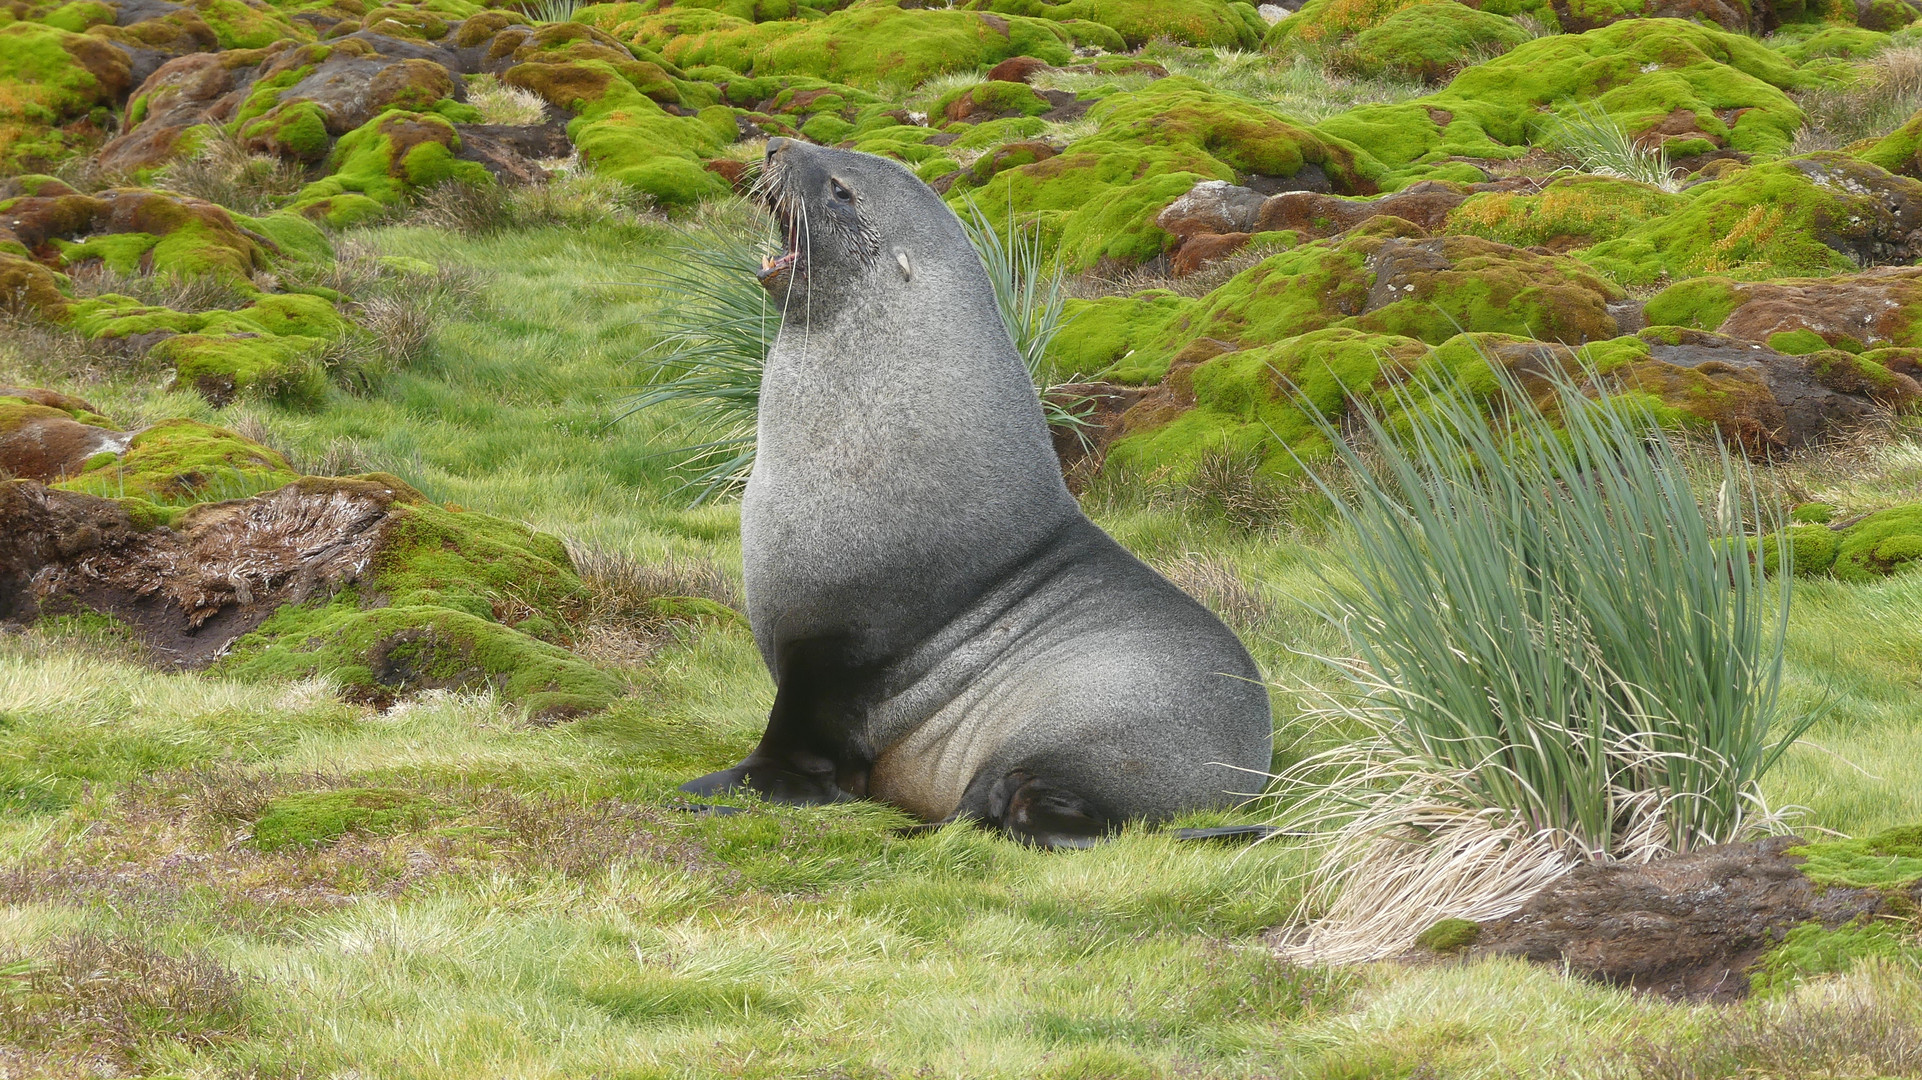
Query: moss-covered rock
<point>26,287</point>
<point>1568,213</point>
<point>1386,277</point>
<point>1890,859</point>
<point>1703,88</point>
<point>1819,214</point>
<point>382,162</point>
<point>1138,22</point>
<point>1878,309</point>
<point>862,46</point>
<point>1431,41</point>
<point>1813,949</point>
<point>183,460</point>
<point>138,231</point>
<point>55,89</point>
<point>1101,195</point>
<point>625,134</point>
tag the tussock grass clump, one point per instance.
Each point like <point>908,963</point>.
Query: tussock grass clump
<point>105,999</point>
<point>1885,92</point>
<point>1561,657</point>
<point>1603,147</point>
<point>225,172</point>
<point>502,104</point>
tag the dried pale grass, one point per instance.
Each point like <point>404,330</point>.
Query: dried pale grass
<point>1213,581</point>
<point>502,104</point>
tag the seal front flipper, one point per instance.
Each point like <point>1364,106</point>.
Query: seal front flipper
<point>806,782</point>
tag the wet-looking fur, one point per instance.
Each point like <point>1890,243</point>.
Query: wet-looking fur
<point>947,631</point>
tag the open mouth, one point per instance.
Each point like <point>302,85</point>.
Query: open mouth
<point>773,267</point>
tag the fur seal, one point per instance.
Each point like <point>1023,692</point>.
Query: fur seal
<point>948,633</point>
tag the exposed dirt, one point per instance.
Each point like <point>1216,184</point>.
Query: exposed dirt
<point>191,589</point>
<point>1687,927</point>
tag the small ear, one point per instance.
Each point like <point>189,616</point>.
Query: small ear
<point>907,267</point>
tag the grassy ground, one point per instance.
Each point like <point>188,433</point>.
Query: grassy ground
<point>525,901</point>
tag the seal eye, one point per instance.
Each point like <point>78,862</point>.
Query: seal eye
<point>841,191</point>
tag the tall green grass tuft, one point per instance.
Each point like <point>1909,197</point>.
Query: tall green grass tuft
<point>719,327</point>
<point>1605,148</point>
<point>1561,656</point>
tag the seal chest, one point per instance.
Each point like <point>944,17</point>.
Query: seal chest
<point>947,631</point>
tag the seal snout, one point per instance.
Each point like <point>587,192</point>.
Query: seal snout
<point>780,203</point>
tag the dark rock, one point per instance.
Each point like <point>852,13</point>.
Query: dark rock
<point>1310,177</point>
<point>502,161</point>
<point>1212,206</point>
<point>535,142</point>
<point>1816,394</point>
<point>1203,249</point>
<point>1314,215</point>
<point>1686,927</point>
<point>1017,69</point>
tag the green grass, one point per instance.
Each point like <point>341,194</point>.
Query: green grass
<point>543,911</point>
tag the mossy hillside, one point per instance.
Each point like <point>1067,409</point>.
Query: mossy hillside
<point>1138,22</point>
<point>183,460</point>
<point>55,89</point>
<point>1430,41</point>
<point>1569,213</point>
<point>867,47</point>
<point>381,163</point>
<point>1640,72</point>
<point>1098,199</point>
<point>1480,286</point>
<point>1792,218</point>
<point>309,819</point>
<point>626,135</point>
<point>1330,24</point>
<point>1258,403</point>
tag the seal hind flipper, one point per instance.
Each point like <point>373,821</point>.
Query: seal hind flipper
<point>1042,813</point>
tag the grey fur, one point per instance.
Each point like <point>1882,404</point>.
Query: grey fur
<point>997,655</point>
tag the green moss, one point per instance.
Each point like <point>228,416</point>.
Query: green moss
<point>402,648</point>
<point>1138,22</point>
<point>1764,222</point>
<point>624,134</point>
<point>1900,151</point>
<point>1811,949</point>
<point>1450,935</point>
<point>295,239</point>
<point>1880,544</point>
<point>382,162</point>
<point>183,460</point>
<point>310,819</point>
<point>1639,71</point>
<point>990,98</point>
<point>76,17</point>
<point>1431,41</point>
<point>863,46</point>
<point>1797,342</point>
<point>1098,199</point>
<point>50,78</point>
<point>1242,406</point>
<point>1811,549</point>
<point>1571,212</point>
<point>297,129</point>
<point>1702,303</point>
<point>239,25</point>
<point>1891,859</point>
<point>223,366</point>
<point>1830,40</point>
